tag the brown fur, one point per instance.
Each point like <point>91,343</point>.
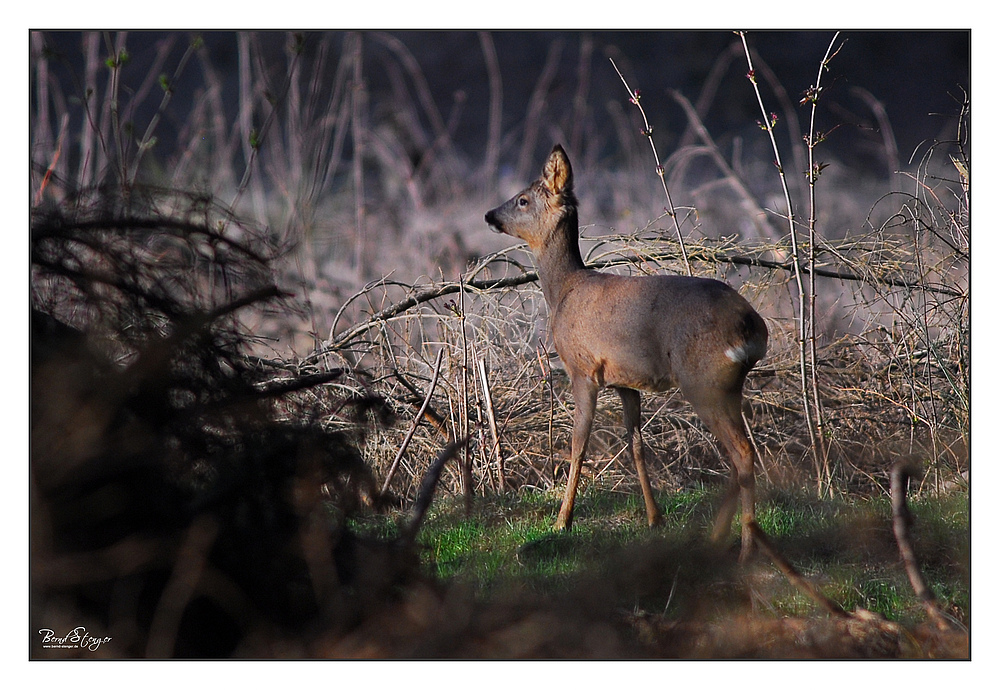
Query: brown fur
<point>631,333</point>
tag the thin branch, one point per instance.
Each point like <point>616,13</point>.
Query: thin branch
<point>421,297</point>
<point>493,127</point>
<point>647,130</point>
<point>768,125</point>
<point>793,576</point>
<point>147,140</point>
<point>814,169</point>
<point>696,125</point>
<point>491,418</point>
<point>413,427</point>
<point>902,520</point>
<point>426,491</point>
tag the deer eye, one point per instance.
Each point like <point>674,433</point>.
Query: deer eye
<point>522,201</point>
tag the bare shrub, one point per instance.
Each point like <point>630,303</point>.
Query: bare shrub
<point>171,508</point>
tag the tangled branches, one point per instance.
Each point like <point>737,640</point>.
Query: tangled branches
<point>172,507</point>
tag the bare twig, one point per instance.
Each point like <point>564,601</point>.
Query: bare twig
<point>426,492</point>
<point>789,571</point>
<point>466,463</point>
<point>168,91</point>
<point>768,125</point>
<point>416,422</point>
<point>901,522</point>
<point>648,132</point>
<point>695,124</point>
<point>427,295</point>
<point>814,138</point>
<point>359,136</point>
<point>536,105</point>
<point>118,55</point>
<point>491,418</point>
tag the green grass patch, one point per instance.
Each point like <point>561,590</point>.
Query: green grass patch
<point>507,545</point>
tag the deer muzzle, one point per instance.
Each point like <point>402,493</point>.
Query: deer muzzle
<point>494,222</point>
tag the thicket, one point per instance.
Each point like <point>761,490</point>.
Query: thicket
<point>299,298</point>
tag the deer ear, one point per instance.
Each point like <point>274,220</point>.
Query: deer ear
<point>557,174</point>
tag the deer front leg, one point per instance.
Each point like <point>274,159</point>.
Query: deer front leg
<point>633,429</point>
<point>585,400</point>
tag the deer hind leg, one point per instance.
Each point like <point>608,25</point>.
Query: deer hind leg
<point>585,400</point>
<point>724,518</point>
<point>633,429</point>
<point>725,420</point>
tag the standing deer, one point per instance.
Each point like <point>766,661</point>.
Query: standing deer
<point>634,333</point>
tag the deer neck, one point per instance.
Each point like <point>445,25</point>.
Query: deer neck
<point>559,258</point>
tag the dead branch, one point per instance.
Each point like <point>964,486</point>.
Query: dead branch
<point>413,427</point>
<point>421,297</point>
<point>426,492</point>
<point>793,576</point>
<point>491,418</point>
<point>348,335</point>
<point>432,416</point>
<point>301,383</point>
<point>758,215</point>
<point>902,520</point>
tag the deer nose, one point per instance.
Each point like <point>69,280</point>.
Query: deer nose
<point>491,220</point>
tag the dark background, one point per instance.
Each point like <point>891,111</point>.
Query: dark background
<point>920,77</point>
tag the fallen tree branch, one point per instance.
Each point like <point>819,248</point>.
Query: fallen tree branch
<point>347,336</point>
<point>350,334</point>
<point>787,266</point>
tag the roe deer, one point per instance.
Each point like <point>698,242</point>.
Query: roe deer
<point>636,333</point>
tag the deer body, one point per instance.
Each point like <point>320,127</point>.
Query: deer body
<point>649,333</point>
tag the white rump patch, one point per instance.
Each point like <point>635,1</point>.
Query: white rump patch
<point>747,352</point>
<point>735,353</point>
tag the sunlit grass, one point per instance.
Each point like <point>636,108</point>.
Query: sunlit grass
<point>846,546</point>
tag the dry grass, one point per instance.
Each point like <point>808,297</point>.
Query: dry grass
<point>879,387</point>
